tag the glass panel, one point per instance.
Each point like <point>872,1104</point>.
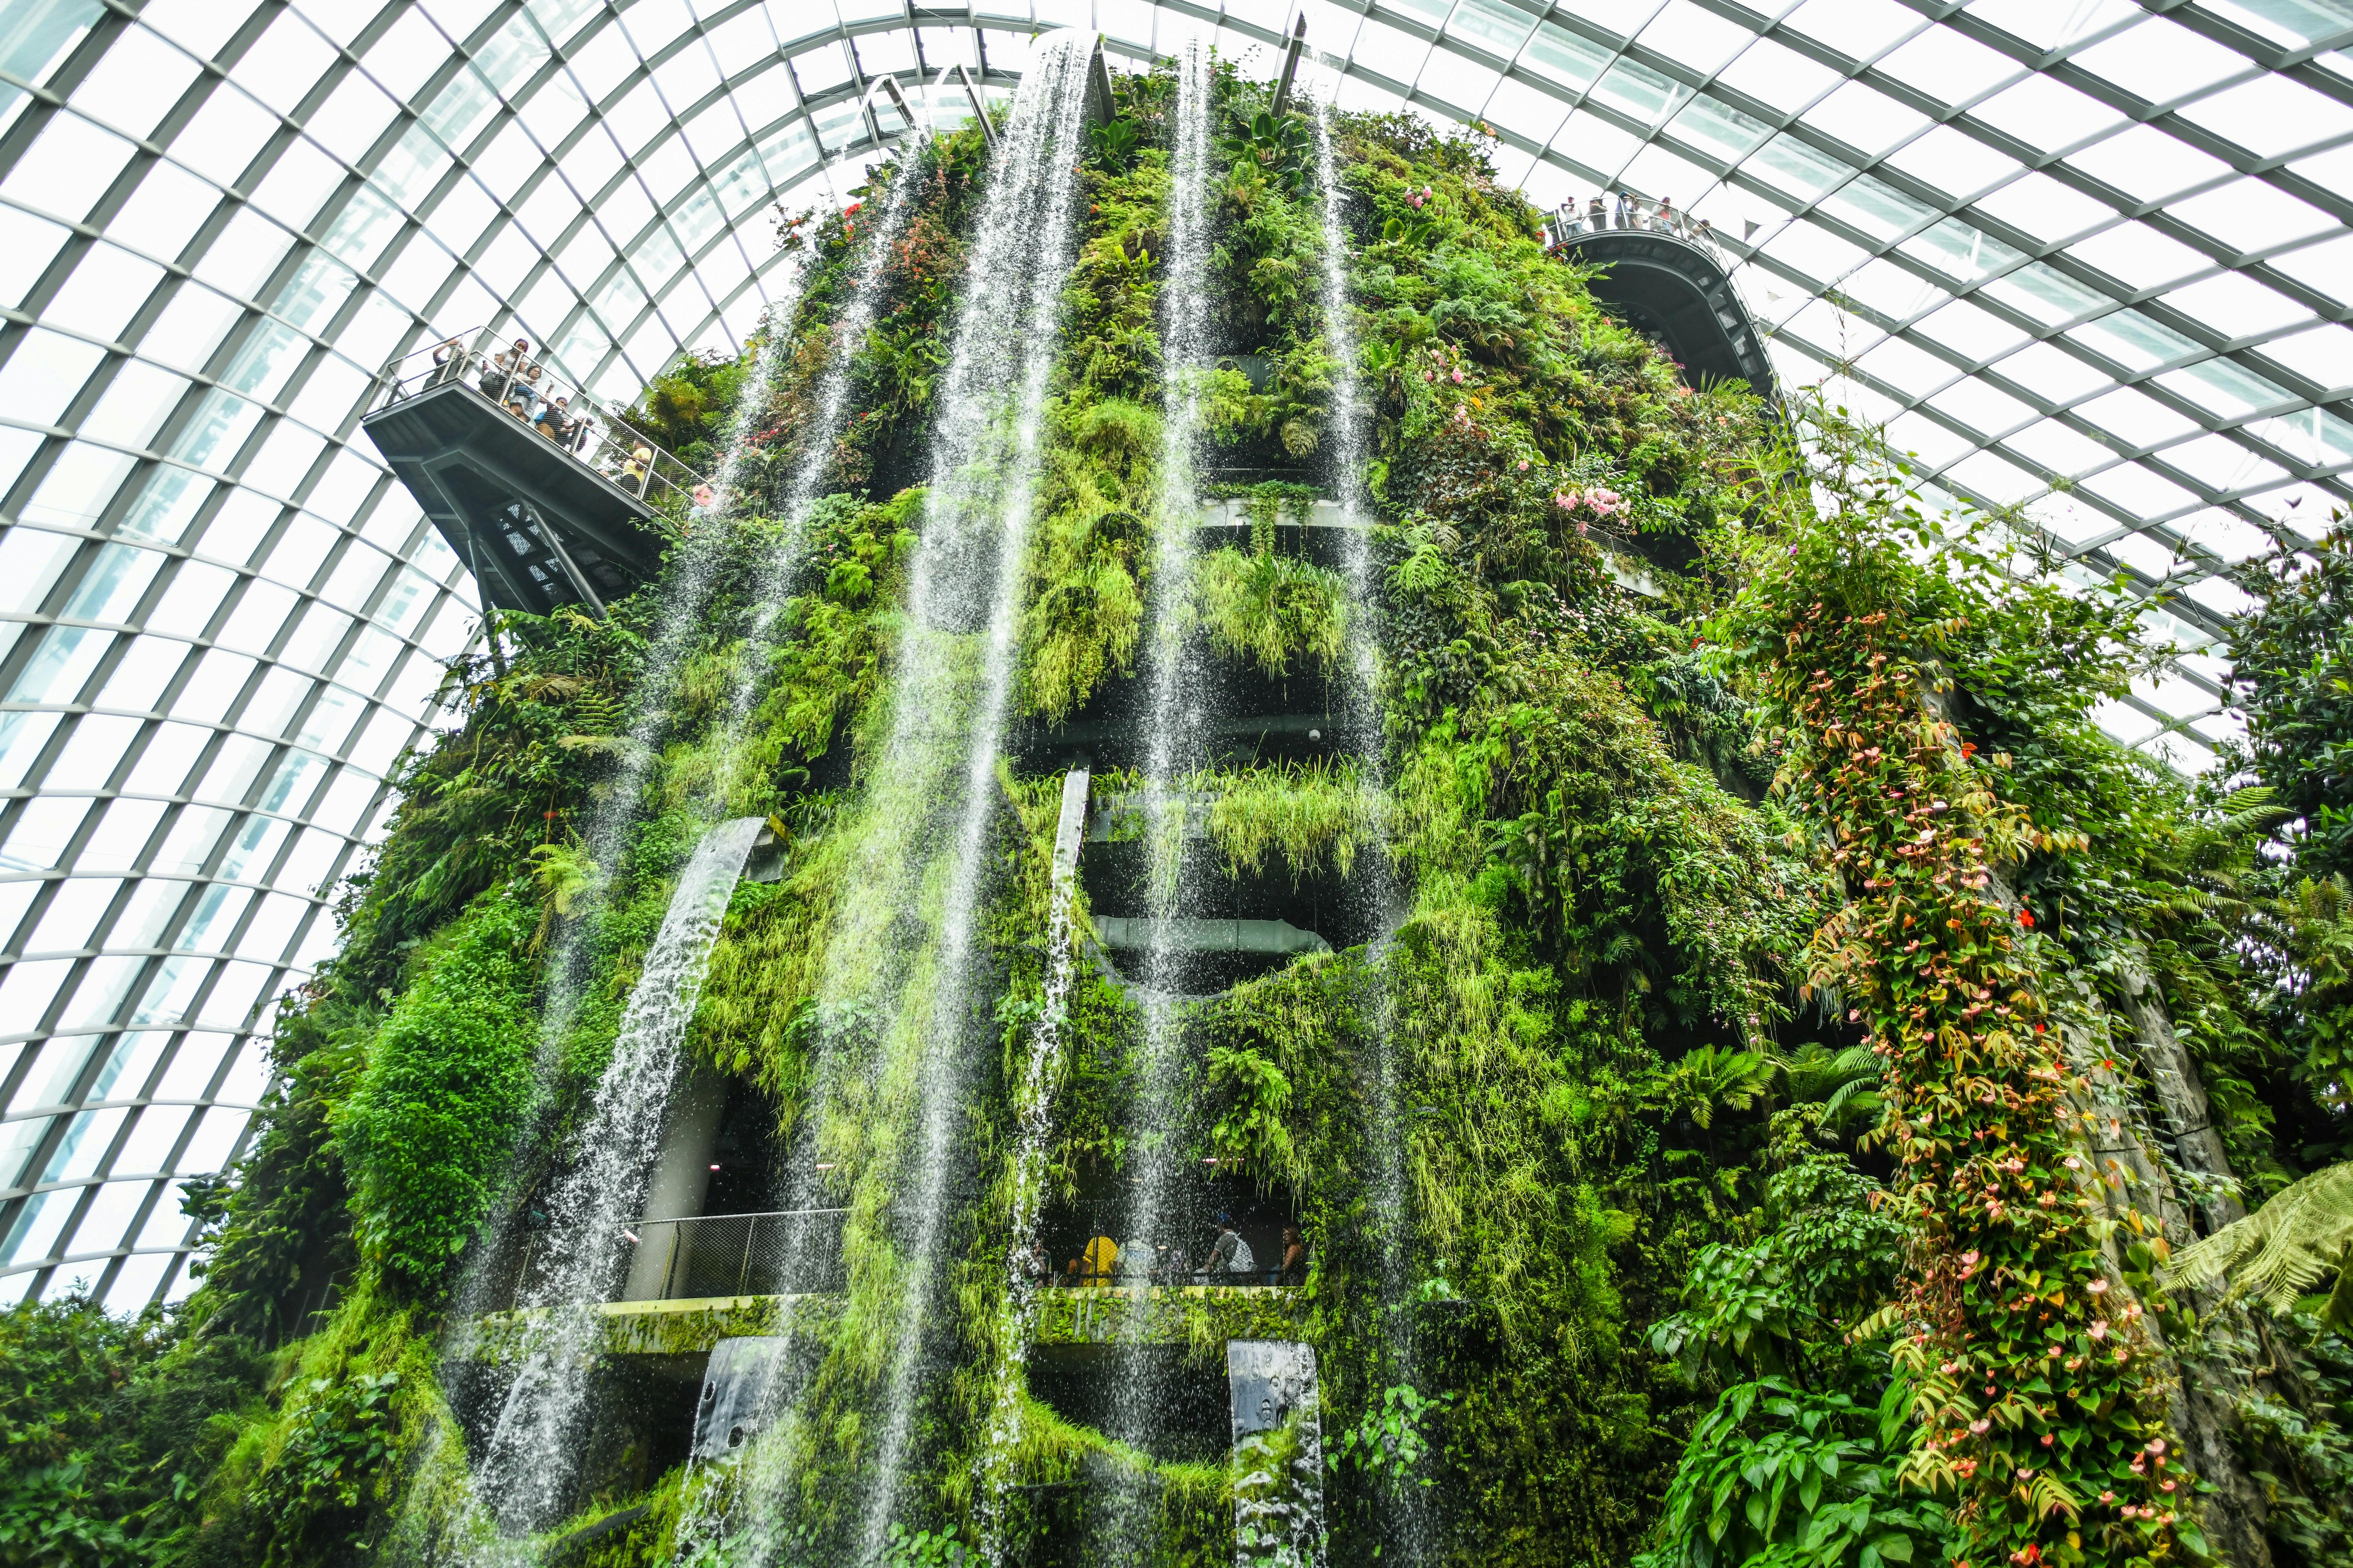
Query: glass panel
<point>128,1067</point>
<point>49,1080</point>
<point>1555,52</point>
<point>37,1227</point>
<point>85,1143</point>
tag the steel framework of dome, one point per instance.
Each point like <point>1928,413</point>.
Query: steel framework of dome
<point>2086,258</point>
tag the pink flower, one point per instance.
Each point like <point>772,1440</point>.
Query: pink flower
<point>1523,465</point>
<point>1429,376</point>
<point>2108,1497</point>
<point>2165,1486</point>
<point>2157,1445</point>
<point>2096,1287</point>
<point>702,495</point>
<point>1458,376</point>
<point>2099,1329</point>
<point>1980,1427</point>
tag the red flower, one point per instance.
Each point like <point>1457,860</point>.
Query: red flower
<point>2026,919</point>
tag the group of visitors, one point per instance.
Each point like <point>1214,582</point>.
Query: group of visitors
<point>513,379</point>
<point>518,383</point>
<point>1619,209</point>
<point>1105,1262</point>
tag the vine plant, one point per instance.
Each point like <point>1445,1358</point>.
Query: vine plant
<point>2030,1371</point>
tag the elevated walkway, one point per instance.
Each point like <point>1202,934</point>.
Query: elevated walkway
<point>1677,291</point>
<point>546,498</point>
<point>1197,1315</point>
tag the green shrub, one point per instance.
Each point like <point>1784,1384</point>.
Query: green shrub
<point>427,1131</point>
<point>109,1427</point>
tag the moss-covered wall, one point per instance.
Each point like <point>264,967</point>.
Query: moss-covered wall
<point>1588,1148</point>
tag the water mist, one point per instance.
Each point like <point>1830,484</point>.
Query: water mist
<point>968,571</point>
<point>509,1490</point>
<point>890,1086</point>
<point>1384,1123</point>
<point>1173,744</point>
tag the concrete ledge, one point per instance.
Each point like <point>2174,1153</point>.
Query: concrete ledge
<point>654,1328</point>
<point>1200,1315</point>
<point>1205,1316</point>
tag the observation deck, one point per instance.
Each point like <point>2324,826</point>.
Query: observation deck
<point>1674,290</point>
<point>541,492</point>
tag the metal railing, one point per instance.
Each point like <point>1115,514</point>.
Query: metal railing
<point>785,1252</point>
<point>1572,222</point>
<point>569,418</point>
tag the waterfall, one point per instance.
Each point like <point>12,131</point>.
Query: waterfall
<point>899,955</point>
<point>1391,1185</point>
<point>708,1517</point>
<point>1172,734</point>
<point>969,569</point>
<point>823,427</point>
<point>1033,1129</point>
<point>621,804</point>
<point>528,1461</point>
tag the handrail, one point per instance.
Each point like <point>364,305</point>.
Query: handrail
<point>766,1254</point>
<point>573,420</point>
<point>1570,222</point>
<point>753,1214</point>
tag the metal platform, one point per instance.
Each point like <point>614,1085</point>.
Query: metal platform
<point>1678,292</point>
<point>540,521</point>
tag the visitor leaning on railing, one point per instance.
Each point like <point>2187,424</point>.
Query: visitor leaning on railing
<point>529,390</point>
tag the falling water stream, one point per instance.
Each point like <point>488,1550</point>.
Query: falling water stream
<point>968,571</point>
<point>522,1479</point>
<point>511,1489</point>
<point>1173,744</point>
<point>817,460</point>
<point>527,1465</point>
<point>1384,1117</point>
<point>893,1080</point>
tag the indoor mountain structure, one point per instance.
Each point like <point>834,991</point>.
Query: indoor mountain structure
<point>1475,784</point>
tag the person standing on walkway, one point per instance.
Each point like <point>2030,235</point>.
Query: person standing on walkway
<point>1232,1255</point>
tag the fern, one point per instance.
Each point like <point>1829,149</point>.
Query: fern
<point>2283,1249</point>
<point>1267,608</point>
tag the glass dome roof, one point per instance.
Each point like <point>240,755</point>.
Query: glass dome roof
<point>2089,259</point>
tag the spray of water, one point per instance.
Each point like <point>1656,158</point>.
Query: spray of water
<point>1174,708</point>
<point>968,571</point>
<point>526,1468</point>
<point>895,990</point>
<point>1391,1189</point>
<point>816,463</point>
<point>1033,1128</point>
<point>485,1504</point>
<point>1173,743</point>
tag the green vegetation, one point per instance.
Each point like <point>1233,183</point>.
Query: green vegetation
<point>1703,1171</point>
<point>448,1080</point>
